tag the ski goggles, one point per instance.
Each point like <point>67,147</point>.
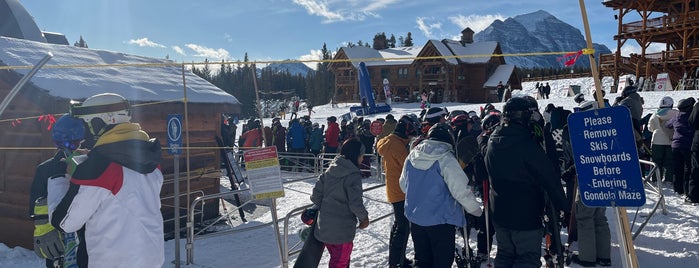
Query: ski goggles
<point>70,145</point>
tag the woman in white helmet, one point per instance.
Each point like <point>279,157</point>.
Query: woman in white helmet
<point>113,199</point>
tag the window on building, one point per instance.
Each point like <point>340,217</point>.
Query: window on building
<point>403,73</point>
<point>385,73</point>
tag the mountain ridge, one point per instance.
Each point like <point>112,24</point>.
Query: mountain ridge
<point>538,31</point>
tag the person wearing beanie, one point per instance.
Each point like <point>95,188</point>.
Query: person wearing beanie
<point>437,192</point>
<point>634,102</point>
<point>661,152</point>
<point>680,144</point>
<point>393,150</point>
<point>338,195</point>
<point>388,127</point>
<point>521,176</point>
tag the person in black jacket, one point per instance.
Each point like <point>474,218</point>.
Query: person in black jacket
<point>521,174</point>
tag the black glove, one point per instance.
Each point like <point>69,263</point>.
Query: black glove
<point>48,242</point>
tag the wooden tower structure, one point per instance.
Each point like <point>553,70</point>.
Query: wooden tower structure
<point>674,23</point>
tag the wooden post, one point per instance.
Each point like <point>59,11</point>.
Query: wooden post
<point>628,253</point>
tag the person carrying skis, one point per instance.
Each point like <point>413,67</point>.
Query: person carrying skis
<point>67,133</point>
<point>521,174</point>
<point>113,196</point>
<point>338,195</point>
<point>393,150</point>
<point>437,192</point>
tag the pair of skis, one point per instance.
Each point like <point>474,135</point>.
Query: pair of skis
<point>553,254</point>
<point>464,258</point>
<point>234,175</point>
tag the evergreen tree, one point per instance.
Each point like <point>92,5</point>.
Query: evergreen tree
<point>81,43</point>
<point>401,41</point>
<point>392,41</point>
<point>409,40</point>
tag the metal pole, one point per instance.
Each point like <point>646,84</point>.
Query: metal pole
<point>23,81</point>
<point>258,105</point>
<point>177,210</point>
<point>275,219</point>
<point>186,129</point>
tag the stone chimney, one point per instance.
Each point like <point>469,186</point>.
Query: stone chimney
<point>466,36</point>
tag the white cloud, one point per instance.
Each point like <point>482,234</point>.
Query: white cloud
<point>316,54</point>
<point>635,49</point>
<point>333,11</point>
<point>179,50</point>
<point>477,23</point>
<point>209,53</point>
<point>427,28</point>
<point>228,37</point>
<point>144,42</point>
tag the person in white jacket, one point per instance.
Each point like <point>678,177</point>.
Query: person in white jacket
<point>662,137</point>
<point>437,192</point>
<point>112,198</point>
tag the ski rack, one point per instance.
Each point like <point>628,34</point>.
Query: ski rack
<point>657,189</point>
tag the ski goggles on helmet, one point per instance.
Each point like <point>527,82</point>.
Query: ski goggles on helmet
<point>69,145</point>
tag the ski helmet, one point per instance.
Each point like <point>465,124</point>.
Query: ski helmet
<point>490,121</point>
<point>461,120</point>
<point>408,125</point>
<point>579,98</point>
<point>102,110</point>
<point>68,132</point>
<point>441,132</point>
<point>308,216</point>
<point>519,110</point>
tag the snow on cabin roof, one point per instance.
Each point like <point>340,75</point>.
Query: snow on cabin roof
<point>135,83</point>
<point>366,53</point>
<point>361,52</point>
<point>502,73</point>
<point>399,52</point>
<point>478,48</point>
<point>444,51</point>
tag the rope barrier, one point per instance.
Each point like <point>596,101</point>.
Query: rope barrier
<point>175,64</point>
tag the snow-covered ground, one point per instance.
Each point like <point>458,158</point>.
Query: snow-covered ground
<point>668,240</point>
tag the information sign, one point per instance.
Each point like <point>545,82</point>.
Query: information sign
<point>606,159</point>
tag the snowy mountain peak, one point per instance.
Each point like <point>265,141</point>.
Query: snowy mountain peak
<point>537,32</point>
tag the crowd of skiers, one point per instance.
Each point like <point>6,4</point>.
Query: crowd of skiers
<point>517,164</point>
<point>511,174</point>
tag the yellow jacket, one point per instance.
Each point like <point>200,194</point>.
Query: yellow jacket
<point>393,151</point>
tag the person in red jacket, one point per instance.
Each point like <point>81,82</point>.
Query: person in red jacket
<point>332,136</point>
<point>252,137</point>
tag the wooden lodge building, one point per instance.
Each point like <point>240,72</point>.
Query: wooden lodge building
<point>153,91</point>
<point>453,71</point>
<point>674,23</point>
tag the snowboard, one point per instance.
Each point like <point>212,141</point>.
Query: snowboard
<point>553,253</point>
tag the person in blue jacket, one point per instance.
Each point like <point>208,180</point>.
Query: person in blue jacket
<point>437,192</point>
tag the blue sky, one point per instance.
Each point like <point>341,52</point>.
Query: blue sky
<point>190,31</point>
